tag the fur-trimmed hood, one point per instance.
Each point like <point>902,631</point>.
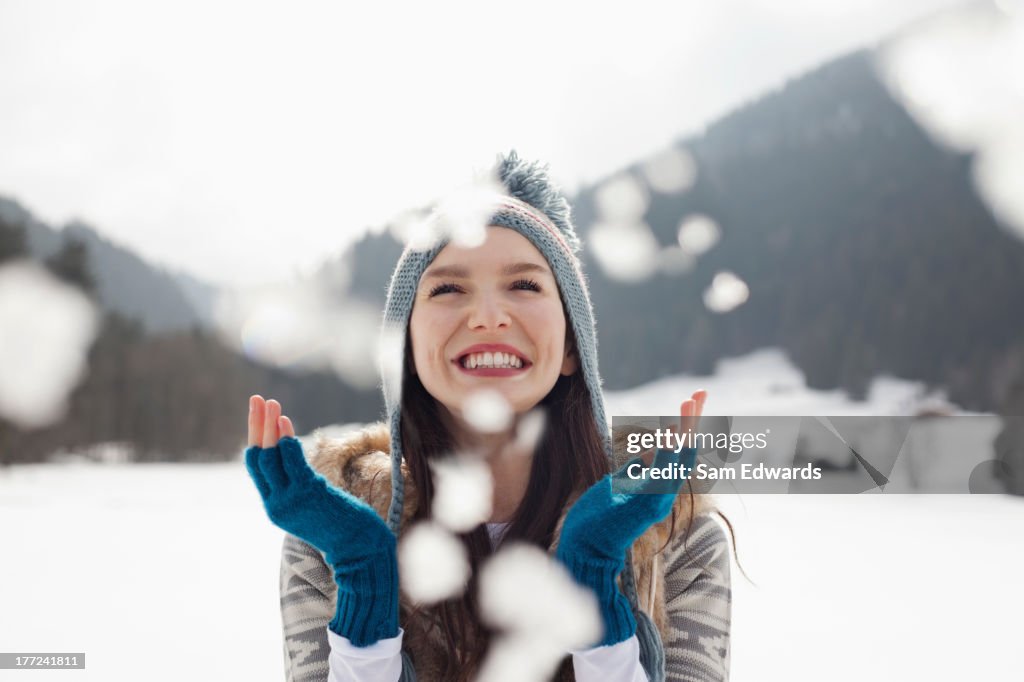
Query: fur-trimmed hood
<point>360,463</point>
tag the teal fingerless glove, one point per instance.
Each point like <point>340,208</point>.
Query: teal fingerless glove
<point>357,544</point>
<point>601,527</point>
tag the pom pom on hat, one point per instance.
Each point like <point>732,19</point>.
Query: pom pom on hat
<point>530,182</point>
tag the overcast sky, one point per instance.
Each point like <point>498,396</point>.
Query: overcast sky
<point>244,141</point>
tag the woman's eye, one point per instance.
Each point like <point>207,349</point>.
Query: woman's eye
<point>445,288</point>
<point>528,284</point>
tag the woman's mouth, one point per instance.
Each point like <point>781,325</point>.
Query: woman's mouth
<point>492,364</point>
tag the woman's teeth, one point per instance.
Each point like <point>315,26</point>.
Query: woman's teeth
<point>492,360</point>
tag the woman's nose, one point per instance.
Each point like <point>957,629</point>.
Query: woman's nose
<point>488,313</point>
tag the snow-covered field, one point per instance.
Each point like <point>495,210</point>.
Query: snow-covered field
<point>766,383</point>
<point>169,572</point>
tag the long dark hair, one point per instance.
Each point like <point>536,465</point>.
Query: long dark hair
<point>570,456</point>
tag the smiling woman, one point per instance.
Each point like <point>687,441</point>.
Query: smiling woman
<point>512,317</point>
<point>477,322</point>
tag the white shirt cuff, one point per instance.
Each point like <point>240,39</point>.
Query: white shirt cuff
<point>379,662</point>
<point>616,663</point>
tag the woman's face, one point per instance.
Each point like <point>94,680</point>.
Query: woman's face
<point>490,317</point>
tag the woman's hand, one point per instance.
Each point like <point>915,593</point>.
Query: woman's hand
<point>266,423</point>
<point>608,518</point>
<point>604,523</point>
<point>690,412</point>
<point>357,544</point>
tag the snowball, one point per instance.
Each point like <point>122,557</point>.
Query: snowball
<point>48,328</point>
<point>421,234</point>
<point>469,211</point>
<point>697,234</point>
<point>671,171</point>
<point>525,591</point>
<point>540,610</point>
<point>621,199</point>
<point>463,492</point>
<point>727,291</point>
<point>408,228</point>
<point>275,330</point>
<point>487,411</point>
<point>625,251</point>
<point>303,324</point>
<point>433,565</point>
<point>958,75</point>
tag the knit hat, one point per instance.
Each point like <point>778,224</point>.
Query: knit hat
<point>532,206</point>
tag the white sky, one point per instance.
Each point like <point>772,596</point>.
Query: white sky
<point>243,141</point>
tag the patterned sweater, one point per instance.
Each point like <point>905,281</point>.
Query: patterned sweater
<point>685,588</point>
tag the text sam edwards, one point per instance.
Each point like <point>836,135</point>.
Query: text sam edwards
<point>702,472</point>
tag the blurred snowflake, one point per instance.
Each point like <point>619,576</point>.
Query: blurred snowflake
<point>727,291</point>
<point>959,76</point>
<point>540,609</point>
<point>432,564</point>
<point>48,328</point>
<point>463,492</point>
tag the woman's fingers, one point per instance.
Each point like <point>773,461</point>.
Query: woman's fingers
<point>266,423</point>
<point>700,396</point>
<point>690,411</point>
<point>256,405</point>
<point>270,434</point>
<point>285,427</point>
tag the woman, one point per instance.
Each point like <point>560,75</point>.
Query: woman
<point>512,315</point>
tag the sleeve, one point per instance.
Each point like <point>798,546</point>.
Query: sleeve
<point>379,662</point>
<point>616,663</point>
<point>698,603</point>
<point>308,596</point>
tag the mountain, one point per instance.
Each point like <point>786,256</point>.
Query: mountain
<point>125,283</point>
<point>864,245</point>
<point>201,296</point>
<point>161,393</point>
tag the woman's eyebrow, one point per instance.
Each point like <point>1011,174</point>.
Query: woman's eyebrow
<point>520,268</point>
<point>462,271</point>
<point>446,271</point>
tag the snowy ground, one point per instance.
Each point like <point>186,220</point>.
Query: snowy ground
<point>164,572</point>
<point>878,587</point>
<point>766,383</point>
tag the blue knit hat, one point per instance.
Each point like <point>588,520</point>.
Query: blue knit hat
<point>532,206</point>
